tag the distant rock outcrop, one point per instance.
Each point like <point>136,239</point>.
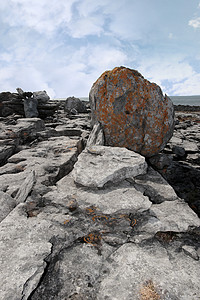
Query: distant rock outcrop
<point>74,105</point>
<point>27,104</point>
<point>132,111</point>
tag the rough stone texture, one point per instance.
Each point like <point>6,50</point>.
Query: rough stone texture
<point>12,103</point>
<point>50,160</point>
<point>30,107</point>
<point>25,188</point>
<point>41,96</point>
<point>191,251</point>
<point>130,267</point>
<point>7,204</point>
<point>23,246</point>
<point>98,165</point>
<point>183,173</point>
<point>167,217</point>
<point>68,241</point>
<point>96,136</point>
<point>132,111</point>
<point>155,187</point>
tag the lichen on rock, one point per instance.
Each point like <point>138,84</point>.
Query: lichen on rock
<point>132,111</point>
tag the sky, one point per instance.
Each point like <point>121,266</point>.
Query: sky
<point>63,46</point>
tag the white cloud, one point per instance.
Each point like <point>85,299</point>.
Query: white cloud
<point>195,23</point>
<point>180,76</point>
<point>42,16</point>
<point>71,73</point>
<point>86,26</point>
<point>64,46</point>
<point>190,86</point>
<point>166,68</point>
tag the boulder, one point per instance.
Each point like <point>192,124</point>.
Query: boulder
<point>132,111</point>
<point>72,104</point>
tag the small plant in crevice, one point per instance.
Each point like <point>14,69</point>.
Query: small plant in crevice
<point>166,237</point>
<point>149,291</point>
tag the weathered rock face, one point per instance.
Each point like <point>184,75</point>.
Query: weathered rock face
<point>125,239</point>
<point>132,111</point>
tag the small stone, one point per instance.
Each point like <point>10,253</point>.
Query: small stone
<point>189,250</point>
<point>96,136</point>
<point>179,151</point>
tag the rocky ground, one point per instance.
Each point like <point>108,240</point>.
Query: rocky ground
<point>99,223</point>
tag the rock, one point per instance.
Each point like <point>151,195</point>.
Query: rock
<point>72,103</point>
<point>179,151</point>
<point>68,241</point>
<point>7,204</point>
<point>161,161</point>
<point>162,271</point>
<point>23,248</point>
<point>96,136</point>
<point>30,107</point>
<point>155,187</point>
<point>41,96</point>
<point>189,250</point>
<point>6,152</point>
<point>10,103</point>
<point>171,216</point>
<point>98,165</point>
<point>20,91</point>
<point>132,111</point>
<point>112,200</point>
<point>25,188</point>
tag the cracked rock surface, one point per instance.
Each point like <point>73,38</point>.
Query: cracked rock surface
<point>64,238</point>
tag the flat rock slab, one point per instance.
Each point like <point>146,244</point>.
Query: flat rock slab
<point>132,267</point>
<point>114,200</point>
<point>98,165</point>
<point>23,246</point>
<point>49,159</point>
<point>122,199</point>
<point>174,216</point>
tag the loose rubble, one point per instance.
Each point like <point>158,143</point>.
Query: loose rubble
<point>94,222</point>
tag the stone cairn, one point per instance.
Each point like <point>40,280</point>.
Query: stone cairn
<point>27,104</point>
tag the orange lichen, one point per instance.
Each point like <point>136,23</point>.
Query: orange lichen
<point>93,238</point>
<point>66,221</point>
<point>125,125</point>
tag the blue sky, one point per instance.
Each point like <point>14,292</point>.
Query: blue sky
<point>63,46</point>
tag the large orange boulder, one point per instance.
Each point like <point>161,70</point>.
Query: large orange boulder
<point>132,111</point>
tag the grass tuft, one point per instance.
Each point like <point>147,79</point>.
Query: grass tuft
<point>149,292</point>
